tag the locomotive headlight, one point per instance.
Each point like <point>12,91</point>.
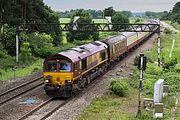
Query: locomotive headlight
<point>46,81</point>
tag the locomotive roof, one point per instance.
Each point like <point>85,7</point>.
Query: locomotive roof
<point>129,34</point>
<point>115,39</point>
<point>81,52</point>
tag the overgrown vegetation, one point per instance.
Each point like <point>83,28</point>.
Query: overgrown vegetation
<point>20,72</point>
<point>119,87</point>
<point>102,108</point>
<point>111,107</point>
<point>169,70</point>
<point>167,31</point>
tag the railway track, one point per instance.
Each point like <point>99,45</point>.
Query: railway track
<point>42,111</point>
<point>20,90</point>
<point>50,106</point>
<point>45,109</point>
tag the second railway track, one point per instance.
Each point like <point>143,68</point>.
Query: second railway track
<point>20,90</point>
<point>45,109</point>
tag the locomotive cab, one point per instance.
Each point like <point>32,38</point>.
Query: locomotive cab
<point>57,74</point>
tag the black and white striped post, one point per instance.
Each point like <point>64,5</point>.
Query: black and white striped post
<point>159,50</point>
<point>141,67</point>
<point>159,43</point>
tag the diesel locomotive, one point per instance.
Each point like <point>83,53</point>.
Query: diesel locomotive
<point>69,71</point>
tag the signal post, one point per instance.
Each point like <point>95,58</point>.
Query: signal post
<point>141,67</point>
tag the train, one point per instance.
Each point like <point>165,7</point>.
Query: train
<point>70,71</point>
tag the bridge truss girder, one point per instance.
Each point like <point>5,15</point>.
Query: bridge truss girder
<point>115,27</point>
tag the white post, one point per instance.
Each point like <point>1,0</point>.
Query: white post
<point>17,47</point>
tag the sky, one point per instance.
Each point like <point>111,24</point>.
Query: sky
<point>119,5</point>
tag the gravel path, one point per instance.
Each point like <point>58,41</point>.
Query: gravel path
<point>99,87</point>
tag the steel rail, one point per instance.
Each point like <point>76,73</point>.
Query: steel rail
<point>35,109</point>
<point>22,85</point>
<point>21,93</point>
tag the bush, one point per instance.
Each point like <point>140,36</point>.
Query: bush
<point>167,31</point>
<point>7,62</point>
<point>41,44</point>
<point>136,60</point>
<point>169,63</point>
<point>119,87</point>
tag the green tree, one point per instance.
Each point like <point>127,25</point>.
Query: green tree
<point>150,14</point>
<point>8,39</point>
<point>165,15</point>
<point>3,52</point>
<point>109,11</point>
<point>25,11</point>
<point>85,17</point>
<point>176,13</point>
<point>41,44</point>
<point>127,14</point>
<point>25,54</point>
<point>118,17</point>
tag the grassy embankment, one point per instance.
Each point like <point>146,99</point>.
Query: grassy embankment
<point>19,72</point>
<point>175,25</point>
<point>120,108</point>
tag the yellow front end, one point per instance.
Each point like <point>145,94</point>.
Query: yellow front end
<point>58,78</point>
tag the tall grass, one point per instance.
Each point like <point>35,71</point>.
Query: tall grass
<point>111,107</point>
<point>153,72</point>
<point>21,72</point>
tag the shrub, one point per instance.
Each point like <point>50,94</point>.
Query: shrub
<point>25,54</point>
<point>136,60</point>
<point>169,63</point>
<point>148,86</point>
<point>153,69</point>
<point>7,62</point>
<point>119,87</point>
<point>167,31</point>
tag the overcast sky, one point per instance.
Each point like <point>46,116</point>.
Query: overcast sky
<point>132,5</point>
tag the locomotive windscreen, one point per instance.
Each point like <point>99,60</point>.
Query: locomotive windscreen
<point>51,66</point>
<point>56,66</point>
